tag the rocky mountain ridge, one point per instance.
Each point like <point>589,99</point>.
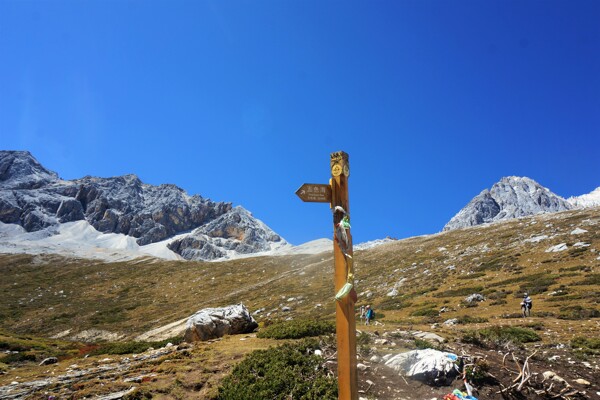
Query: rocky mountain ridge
<point>515,197</point>
<point>37,199</point>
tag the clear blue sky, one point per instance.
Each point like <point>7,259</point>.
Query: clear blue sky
<point>243,101</point>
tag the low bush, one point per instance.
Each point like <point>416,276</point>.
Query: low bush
<point>426,344</point>
<point>131,347</point>
<point>578,312</point>
<point>584,268</point>
<point>478,373</point>
<point>13,358</point>
<point>467,319</point>
<point>472,276</point>
<point>296,329</point>
<point>589,346</point>
<point>280,373</point>
<point>591,279</point>
<point>425,312</point>
<point>497,336</point>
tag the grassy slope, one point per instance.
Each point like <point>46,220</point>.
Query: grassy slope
<point>45,295</point>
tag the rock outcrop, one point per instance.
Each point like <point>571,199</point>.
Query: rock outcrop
<point>212,323</point>
<point>512,197</point>
<point>431,366</point>
<point>37,199</point>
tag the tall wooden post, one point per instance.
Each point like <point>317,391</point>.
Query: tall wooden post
<point>345,321</point>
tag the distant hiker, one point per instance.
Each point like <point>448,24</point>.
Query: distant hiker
<point>526,305</point>
<point>369,315</point>
<point>362,312</point>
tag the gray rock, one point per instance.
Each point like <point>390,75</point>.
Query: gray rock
<point>512,197</point>
<point>69,210</point>
<point>475,297</point>
<point>212,323</point>
<point>37,198</point>
<point>49,360</point>
<point>433,367</point>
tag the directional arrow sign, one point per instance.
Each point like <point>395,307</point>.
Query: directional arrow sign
<point>315,193</point>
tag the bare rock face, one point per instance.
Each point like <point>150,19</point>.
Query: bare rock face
<point>236,231</point>
<point>36,199</point>
<point>212,323</point>
<point>512,197</point>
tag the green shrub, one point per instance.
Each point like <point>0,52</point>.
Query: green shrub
<point>472,276</point>
<point>500,335</point>
<point>589,346</point>
<point>132,347</point>
<point>363,340</point>
<point>478,373</point>
<point>584,268</point>
<point>425,312</point>
<point>467,319</point>
<point>578,312</point>
<point>591,279</point>
<point>279,373</point>
<point>296,329</point>
<point>425,344</point>
<point>17,358</point>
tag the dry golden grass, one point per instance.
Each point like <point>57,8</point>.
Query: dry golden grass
<point>47,295</point>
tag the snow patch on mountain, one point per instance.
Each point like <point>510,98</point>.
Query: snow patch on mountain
<point>586,200</point>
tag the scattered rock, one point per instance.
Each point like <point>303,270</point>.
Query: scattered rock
<point>578,231</point>
<point>475,297</point>
<point>361,367</point>
<point>557,248</point>
<point>211,323</point>
<point>582,382</point>
<point>49,360</point>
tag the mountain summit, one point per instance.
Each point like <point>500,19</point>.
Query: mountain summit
<point>514,197</point>
<point>38,200</point>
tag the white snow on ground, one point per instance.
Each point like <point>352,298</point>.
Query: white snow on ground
<point>77,239</point>
<point>372,243</point>
<point>312,247</point>
<point>80,239</point>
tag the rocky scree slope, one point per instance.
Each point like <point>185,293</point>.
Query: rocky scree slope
<point>37,199</point>
<point>515,197</point>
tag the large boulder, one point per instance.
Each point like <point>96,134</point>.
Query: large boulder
<point>212,323</point>
<point>431,366</point>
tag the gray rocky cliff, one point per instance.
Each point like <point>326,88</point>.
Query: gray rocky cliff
<point>511,197</point>
<point>235,232</point>
<point>37,198</point>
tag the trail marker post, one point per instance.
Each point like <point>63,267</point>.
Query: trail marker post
<point>336,193</point>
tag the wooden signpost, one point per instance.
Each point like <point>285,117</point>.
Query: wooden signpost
<point>336,193</point>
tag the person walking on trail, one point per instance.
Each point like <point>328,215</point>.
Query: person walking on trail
<point>526,305</point>
<point>369,315</point>
<point>362,312</point>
